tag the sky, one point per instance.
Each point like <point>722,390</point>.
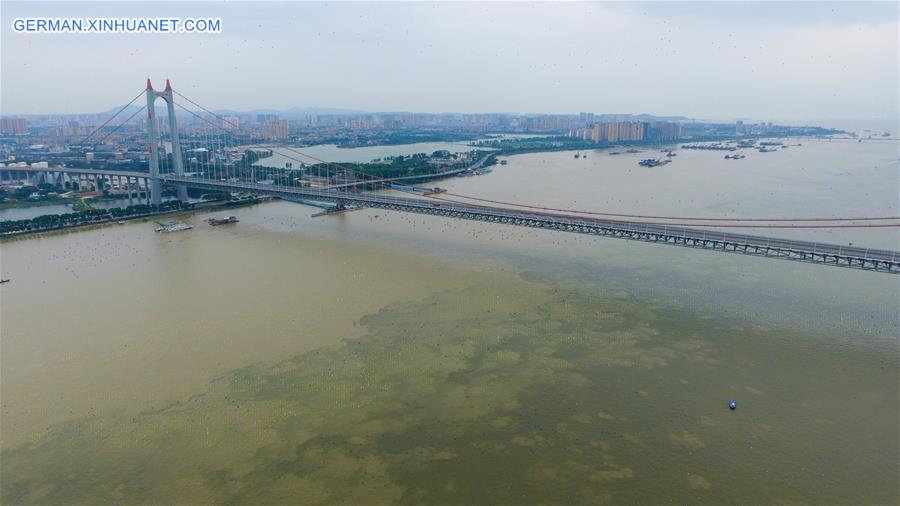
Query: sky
<point>706,60</point>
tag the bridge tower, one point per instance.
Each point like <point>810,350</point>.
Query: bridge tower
<point>153,132</point>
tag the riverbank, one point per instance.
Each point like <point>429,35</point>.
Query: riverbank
<point>20,204</point>
<point>110,217</point>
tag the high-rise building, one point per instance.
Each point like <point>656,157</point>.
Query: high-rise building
<point>230,122</point>
<point>276,130</point>
<point>597,133</point>
<point>16,126</point>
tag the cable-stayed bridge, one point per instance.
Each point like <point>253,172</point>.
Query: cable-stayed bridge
<point>219,170</point>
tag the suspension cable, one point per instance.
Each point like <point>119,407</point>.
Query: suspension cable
<point>114,130</point>
<point>686,218</point>
<point>420,191</point>
<point>110,119</point>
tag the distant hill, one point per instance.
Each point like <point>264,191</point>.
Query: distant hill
<point>292,112</point>
<point>288,113</point>
<point>300,112</point>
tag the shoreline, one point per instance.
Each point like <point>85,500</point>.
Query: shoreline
<point>29,234</point>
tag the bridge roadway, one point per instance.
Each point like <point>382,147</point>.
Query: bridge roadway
<point>716,240</point>
<point>77,172</point>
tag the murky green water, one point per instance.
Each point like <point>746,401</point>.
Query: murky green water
<point>382,358</point>
<point>504,393</point>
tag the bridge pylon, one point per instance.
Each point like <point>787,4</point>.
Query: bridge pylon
<point>153,132</point>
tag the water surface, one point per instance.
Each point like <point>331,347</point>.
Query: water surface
<point>378,357</point>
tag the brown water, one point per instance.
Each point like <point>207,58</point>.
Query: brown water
<point>383,358</point>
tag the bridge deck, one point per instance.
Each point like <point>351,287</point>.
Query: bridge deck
<point>84,172</point>
<point>803,251</point>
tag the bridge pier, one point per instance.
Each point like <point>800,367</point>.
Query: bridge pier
<point>155,188</point>
<point>177,160</point>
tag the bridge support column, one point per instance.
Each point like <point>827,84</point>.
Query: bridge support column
<point>177,160</point>
<point>155,187</point>
<point>130,190</point>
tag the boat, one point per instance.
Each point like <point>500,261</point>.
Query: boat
<point>577,155</point>
<point>735,157</point>
<point>614,153</point>
<point>435,190</point>
<point>632,150</point>
<point>670,154</point>
<point>120,222</point>
<point>502,162</point>
<point>4,280</point>
<point>766,150</point>
<point>172,226</point>
<point>653,162</point>
<point>222,221</point>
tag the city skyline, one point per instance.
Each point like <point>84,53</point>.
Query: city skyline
<point>615,58</point>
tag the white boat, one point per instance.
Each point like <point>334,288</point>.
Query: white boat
<point>173,226</point>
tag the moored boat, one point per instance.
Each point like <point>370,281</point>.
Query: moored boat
<point>222,221</point>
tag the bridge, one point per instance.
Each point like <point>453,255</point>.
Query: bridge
<point>367,191</point>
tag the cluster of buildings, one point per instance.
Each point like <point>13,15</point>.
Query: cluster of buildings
<point>60,129</point>
<point>621,131</point>
<point>13,126</point>
<point>741,128</point>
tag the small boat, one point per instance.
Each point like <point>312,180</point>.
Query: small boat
<point>614,153</point>
<point>222,221</point>
<point>435,190</point>
<point>172,226</point>
<point>653,162</point>
<point>577,155</point>
<point>4,280</point>
<point>120,222</point>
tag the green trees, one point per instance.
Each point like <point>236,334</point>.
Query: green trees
<point>53,221</point>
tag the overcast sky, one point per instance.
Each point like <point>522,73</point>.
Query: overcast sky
<point>705,60</point>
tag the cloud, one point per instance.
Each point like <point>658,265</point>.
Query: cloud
<point>762,60</point>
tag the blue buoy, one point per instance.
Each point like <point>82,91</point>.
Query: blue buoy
<point>732,404</point>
